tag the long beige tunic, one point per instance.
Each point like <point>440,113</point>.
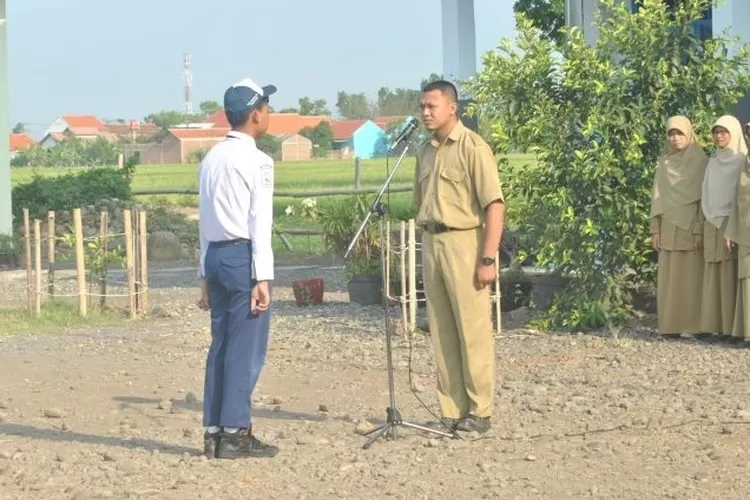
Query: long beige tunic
<point>719,281</point>
<point>741,327</point>
<point>680,274</point>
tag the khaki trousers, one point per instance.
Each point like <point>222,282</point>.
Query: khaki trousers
<point>460,323</point>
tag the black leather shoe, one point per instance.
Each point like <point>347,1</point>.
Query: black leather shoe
<point>243,444</point>
<point>474,424</point>
<point>211,444</point>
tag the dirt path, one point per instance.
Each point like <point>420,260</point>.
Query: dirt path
<point>115,413</point>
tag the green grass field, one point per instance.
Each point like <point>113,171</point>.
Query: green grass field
<point>291,177</point>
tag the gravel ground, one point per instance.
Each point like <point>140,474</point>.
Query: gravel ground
<point>115,412</point>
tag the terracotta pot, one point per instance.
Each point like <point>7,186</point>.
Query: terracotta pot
<point>308,292</point>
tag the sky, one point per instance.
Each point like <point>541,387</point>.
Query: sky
<point>123,60</point>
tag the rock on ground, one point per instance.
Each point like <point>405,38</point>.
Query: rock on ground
<point>116,412</point>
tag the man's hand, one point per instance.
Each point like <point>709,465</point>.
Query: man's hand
<point>260,298</point>
<point>204,302</point>
<point>729,244</point>
<point>656,241</point>
<point>485,275</point>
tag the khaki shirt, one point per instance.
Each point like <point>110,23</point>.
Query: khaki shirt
<point>454,182</point>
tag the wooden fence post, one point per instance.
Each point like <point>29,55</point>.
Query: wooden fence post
<point>128,225</point>
<point>51,243</point>
<point>27,244</point>
<point>38,265</point>
<point>80,262</point>
<point>357,175</point>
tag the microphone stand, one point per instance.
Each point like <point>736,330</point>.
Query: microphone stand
<point>393,416</point>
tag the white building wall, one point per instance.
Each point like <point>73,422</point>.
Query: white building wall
<point>6,219</point>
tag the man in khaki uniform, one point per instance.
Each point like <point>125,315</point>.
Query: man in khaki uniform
<point>461,210</point>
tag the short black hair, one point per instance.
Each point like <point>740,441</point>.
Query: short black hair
<point>237,122</point>
<point>444,86</point>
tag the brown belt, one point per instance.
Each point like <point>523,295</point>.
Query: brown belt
<point>439,227</point>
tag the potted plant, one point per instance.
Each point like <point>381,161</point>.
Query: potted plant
<point>308,292</point>
<point>340,222</point>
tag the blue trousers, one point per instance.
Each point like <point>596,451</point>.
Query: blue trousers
<point>239,339</point>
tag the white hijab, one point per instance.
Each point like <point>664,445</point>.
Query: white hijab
<point>722,173</point>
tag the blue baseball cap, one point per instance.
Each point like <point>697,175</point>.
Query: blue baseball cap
<point>244,97</point>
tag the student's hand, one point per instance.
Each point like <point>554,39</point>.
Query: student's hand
<point>698,241</point>
<point>656,241</point>
<point>260,298</point>
<point>730,244</point>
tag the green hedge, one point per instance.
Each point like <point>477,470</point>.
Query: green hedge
<point>69,191</point>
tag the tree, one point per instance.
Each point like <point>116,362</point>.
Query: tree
<point>209,107</point>
<point>594,117</point>
<point>547,15</point>
<point>169,119</point>
<point>321,136</point>
<point>354,106</point>
<point>19,128</point>
<point>309,107</point>
<point>269,145</point>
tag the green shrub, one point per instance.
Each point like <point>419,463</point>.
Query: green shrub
<point>594,116</point>
<point>69,191</point>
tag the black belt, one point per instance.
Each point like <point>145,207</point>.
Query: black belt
<point>238,241</point>
<point>439,227</point>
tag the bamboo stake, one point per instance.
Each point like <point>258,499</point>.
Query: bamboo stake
<point>412,276</point>
<point>128,223</point>
<point>103,230</point>
<point>27,243</point>
<point>38,265</point>
<point>499,327</point>
<point>80,263</point>
<point>51,242</point>
<point>402,256</point>
<point>388,261</point>
<point>143,278</point>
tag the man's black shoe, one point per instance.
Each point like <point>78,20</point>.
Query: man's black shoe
<point>243,444</point>
<point>474,424</point>
<point>211,444</point>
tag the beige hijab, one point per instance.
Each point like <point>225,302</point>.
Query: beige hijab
<point>678,178</point>
<point>738,225</point>
<point>722,174</point>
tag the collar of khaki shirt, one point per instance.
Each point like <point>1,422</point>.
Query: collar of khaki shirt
<point>455,134</point>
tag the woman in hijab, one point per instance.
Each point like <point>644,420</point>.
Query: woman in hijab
<point>720,269</point>
<point>676,230</point>
<point>738,229</point>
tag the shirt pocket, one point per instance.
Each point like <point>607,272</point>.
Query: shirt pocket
<point>453,185</point>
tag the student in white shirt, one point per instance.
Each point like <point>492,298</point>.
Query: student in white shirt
<point>236,216</point>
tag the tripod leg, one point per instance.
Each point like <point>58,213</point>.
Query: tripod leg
<point>430,430</point>
<point>376,434</point>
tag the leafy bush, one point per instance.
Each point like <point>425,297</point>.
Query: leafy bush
<point>69,191</point>
<point>594,116</point>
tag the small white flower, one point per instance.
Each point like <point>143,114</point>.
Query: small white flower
<point>289,210</point>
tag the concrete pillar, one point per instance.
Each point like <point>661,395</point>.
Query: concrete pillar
<point>6,219</point>
<point>732,16</point>
<point>459,47</point>
<point>583,13</point>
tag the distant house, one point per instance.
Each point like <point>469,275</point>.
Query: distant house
<point>132,130</point>
<point>295,147</point>
<point>182,145</point>
<point>81,126</point>
<point>278,123</point>
<point>364,139</point>
<point>19,142</point>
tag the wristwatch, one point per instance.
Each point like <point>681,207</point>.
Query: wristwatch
<point>488,261</point>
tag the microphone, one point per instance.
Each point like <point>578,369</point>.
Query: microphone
<point>411,125</point>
